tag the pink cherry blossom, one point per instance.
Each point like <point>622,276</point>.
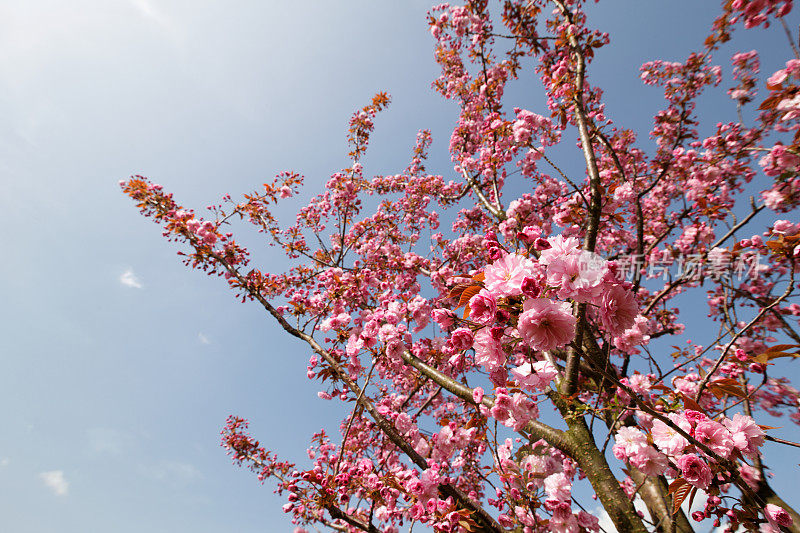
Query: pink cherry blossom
<point>560,246</point>
<point>443,317</point>
<point>371,261</point>
<point>488,352</point>
<point>628,442</point>
<point>588,522</point>
<point>667,439</point>
<point>777,516</point>
<point>461,339</point>
<point>536,376</point>
<point>745,433</point>
<point>577,275</point>
<point>558,487</point>
<point>545,324</point>
<point>649,461</point>
<point>504,277</point>
<point>695,471</point>
<point>618,309</point>
<point>715,436</point>
<point>483,307</point>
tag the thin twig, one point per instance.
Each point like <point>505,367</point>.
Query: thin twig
<point>356,408</point>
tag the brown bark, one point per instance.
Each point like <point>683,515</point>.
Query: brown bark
<point>654,493</point>
<point>577,442</point>
<point>591,460</point>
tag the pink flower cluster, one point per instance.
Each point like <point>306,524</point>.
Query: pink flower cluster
<point>206,231</point>
<point>563,271</point>
<point>673,450</point>
<point>512,411</point>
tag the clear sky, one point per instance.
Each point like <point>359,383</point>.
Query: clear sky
<point>120,366</point>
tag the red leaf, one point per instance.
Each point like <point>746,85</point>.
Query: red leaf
<point>466,294</point>
<point>689,403</point>
<point>679,489</point>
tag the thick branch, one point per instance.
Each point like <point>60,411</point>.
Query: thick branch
<point>554,437</point>
<point>341,515</point>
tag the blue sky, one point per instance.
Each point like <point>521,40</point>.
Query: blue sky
<point>120,366</point>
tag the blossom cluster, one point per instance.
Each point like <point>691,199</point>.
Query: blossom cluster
<point>671,452</point>
<point>522,309</point>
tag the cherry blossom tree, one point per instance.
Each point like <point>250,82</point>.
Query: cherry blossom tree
<point>494,351</point>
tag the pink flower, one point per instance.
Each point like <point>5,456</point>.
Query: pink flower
<point>443,317</point>
<point>559,247</point>
<point>531,287</point>
<point>535,376</point>
<point>558,487</point>
<point>477,394</point>
<point>522,411</point>
<point>715,436</point>
<point>694,417</point>
<point>777,516</point>
<point>750,475</point>
<point>667,439</point>
<point>578,275</point>
<point>483,307</point>
<point>695,471</point>
<point>461,339</point>
<point>404,423</point>
<point>588,522</point>
<point>504,277</point>
<point>628,442</point>
<point>746,434</point>
<point>428,485</point>
<point>562,521</point>
<point>618,309</point>
<point>637,334</point>
<point>650,461</point>
<point>420,311</point>
<point>545,324</point>
<point>488,352</point>
<point>777,78</point>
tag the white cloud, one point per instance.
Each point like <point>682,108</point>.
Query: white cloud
<point>129,279</point>
<point>108,441</point>
<point>202,338</point>
<point>4,462</point>
<point>607,525</point>
<point>605,520</point>
<point>55,481</point>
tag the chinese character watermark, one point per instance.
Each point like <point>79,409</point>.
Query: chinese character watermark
<point>720,265</point>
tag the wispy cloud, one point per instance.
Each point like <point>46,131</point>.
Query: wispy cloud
<point>149,11</point>
<point>175,473</point>
<point>55,481</point>
<point>108,441</point>
<point>4,462</point>
<point>203,339</point>
<point>129,279</point>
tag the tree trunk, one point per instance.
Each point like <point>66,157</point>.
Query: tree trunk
<point>654,492</point>
<point>593,463</point>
